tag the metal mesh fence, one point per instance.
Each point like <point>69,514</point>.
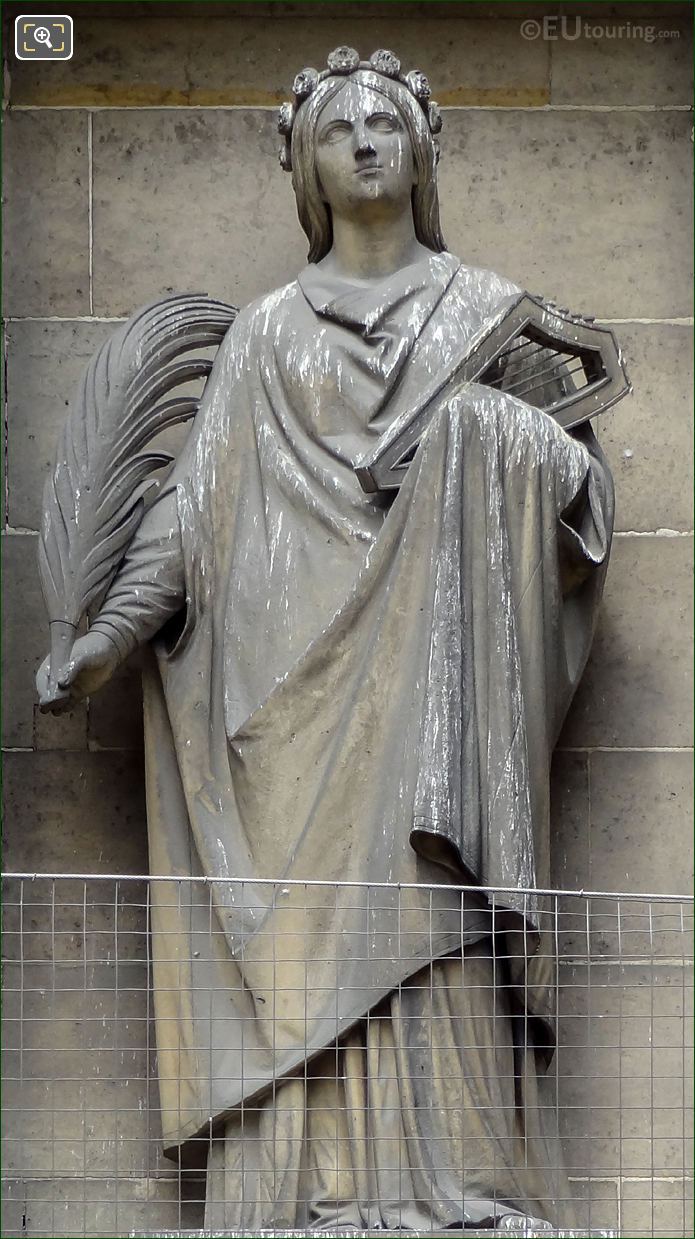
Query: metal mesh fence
<point>309,1090</point>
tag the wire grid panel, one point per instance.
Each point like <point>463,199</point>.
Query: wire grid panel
<point>379,1059</point>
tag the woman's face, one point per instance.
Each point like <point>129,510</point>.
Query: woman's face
<point>363,152</point>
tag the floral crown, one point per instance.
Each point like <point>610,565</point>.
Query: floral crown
<point>344,61</point>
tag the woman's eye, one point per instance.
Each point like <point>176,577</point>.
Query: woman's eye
<point>383,124</point>
<point>335,133</point>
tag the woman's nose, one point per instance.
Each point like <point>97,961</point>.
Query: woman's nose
<point>364,146</point>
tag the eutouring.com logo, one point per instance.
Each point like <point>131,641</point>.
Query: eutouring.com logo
<point>562,27</point>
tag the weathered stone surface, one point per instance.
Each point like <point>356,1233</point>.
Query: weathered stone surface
<point>591,209</point>
<point>77,1091</point>
<point>46,227</point>
<point>74,812</point>
<point>624,1082</point>
<point>213,174</point>
<point>570,820</point>
<point>290,11</point>
<point>657,1207</point>
<point>621,60</point>
<point>25,642</point>
<point>650,795</point>
<point>3,455</point>
<point>223,163</point>
<point>596,1204</point>
<point>115,713</point>
<point>637,688</point>
<point>648,436</point>
<point>80,1095</point>
<point>70,921</point>
<point>63,1206</point>
<point>45,364</point>
<point>639,800</point>
<point>569,846</point>
<point>220,60</point>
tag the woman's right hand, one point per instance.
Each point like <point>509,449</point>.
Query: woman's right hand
<point>90,664</point>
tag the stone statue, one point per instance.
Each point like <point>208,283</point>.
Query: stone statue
<point>345,687</point>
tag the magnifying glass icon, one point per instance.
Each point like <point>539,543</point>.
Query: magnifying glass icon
<point>43,35</point>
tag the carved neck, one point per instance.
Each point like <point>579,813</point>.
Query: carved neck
<point>369,249</point>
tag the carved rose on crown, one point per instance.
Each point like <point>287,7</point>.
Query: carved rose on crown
<point>343,60</point>
<point>286,118</point>
<point>305,82</point>
<point>384,61</point>
<point>434,117</point>
<point>418,84</point>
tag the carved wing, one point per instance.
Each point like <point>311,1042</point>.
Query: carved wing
<point>95,496</point>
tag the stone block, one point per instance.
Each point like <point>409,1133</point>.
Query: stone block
<point>650,795</point>
<point>79,1069</point>
<point>621,60</point>
<point>657,1208</point>
<point>190,201</point>
<point>26,643</point>
<point>639,930</point>
<point>223,163</point>
<point>569,847</point>
<point>648,436</point>
<point>589,208</point>
<point>596,1204</point>
<point>44,365</point>
<point>347,9</point>
<point>641,839</point>
<point>13,1211</point>
<point>569,790</point>
<point>66,921</point>
<point>478,62</point>
<point>623,1069</point>
<point>243,59</point>
<point>46,230</point>
<point>103,1207</point>
<point>3,455</point>
<point>115,713</point>
<point>636,691</point>
<point>74,812</point>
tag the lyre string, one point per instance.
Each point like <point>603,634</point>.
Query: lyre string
<point>537,382</point>
<point>532,344</point>
<point>528,362</point>
<point>523,357</point>
<point>531,373</point>
<point>562,372</point>
<point>539,387</point>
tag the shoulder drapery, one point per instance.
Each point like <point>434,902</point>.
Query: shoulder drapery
<point>360,691</point>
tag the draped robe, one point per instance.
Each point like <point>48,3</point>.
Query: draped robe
<point>359,690</point>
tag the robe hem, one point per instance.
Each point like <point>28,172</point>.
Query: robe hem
<point>195,1131</point>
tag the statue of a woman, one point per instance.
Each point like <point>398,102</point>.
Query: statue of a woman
<point>360,690</point>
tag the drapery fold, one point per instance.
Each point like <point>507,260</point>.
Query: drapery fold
<point>362,690</point>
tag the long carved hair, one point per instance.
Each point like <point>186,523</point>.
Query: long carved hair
<point>314,215</point>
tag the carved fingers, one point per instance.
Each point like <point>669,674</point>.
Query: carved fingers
<point>90,664</point>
